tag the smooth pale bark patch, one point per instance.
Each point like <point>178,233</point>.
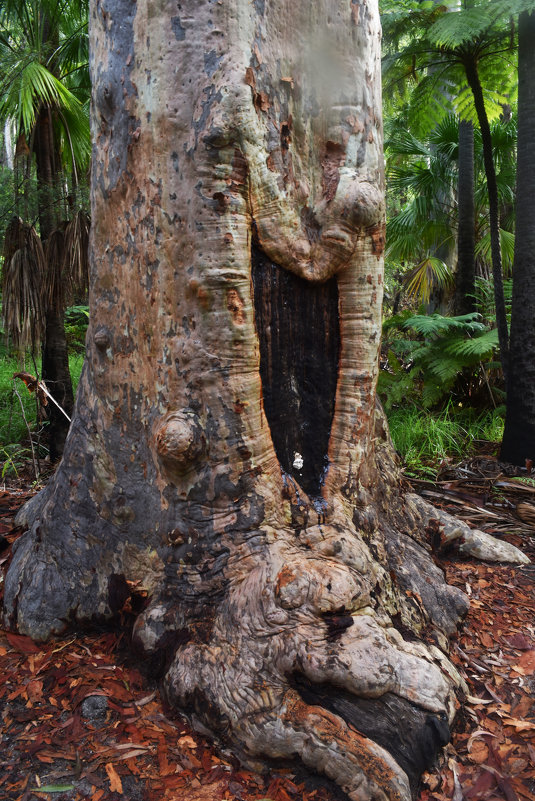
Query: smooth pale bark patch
<point>473,542</point>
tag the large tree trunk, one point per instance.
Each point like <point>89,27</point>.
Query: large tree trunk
<point>519,434</point>
<point>226,453</point>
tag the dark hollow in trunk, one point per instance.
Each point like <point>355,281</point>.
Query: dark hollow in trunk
<point>299,334</point>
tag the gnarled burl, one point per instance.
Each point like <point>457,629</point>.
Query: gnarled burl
<point>226,451</point>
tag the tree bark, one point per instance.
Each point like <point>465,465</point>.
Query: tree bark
<point>56,373</point>
<point>246,483</point>
<point>472,77</point>
<point>55,361</point>
<point>519,434</point>
<point>465,276</point>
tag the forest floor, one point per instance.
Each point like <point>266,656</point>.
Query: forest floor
<point>80,721</point>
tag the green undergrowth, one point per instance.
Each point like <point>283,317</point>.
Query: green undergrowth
<point>14,445</point>
<point>427,440</point>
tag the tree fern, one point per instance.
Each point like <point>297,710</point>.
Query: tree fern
<point>434,325</point>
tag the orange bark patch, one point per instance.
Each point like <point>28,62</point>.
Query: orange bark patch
<point>285,577</point>
<point>333,159</point>
<point>260,99</point>
<point>330,728</point>
<point>238,175</point>
<point>235,306</point>
<point>377,234</point>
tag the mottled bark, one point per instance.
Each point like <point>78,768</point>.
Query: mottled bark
<point>519,434</point>
<point>286,625</point>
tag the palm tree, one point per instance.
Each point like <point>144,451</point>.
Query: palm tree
<point>44,94</point>
<point>429,176</point>
<point>459,55</point>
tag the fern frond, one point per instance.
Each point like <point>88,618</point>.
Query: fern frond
<point>453,28</point>
<point>434,324</point>
<point>477,347</point>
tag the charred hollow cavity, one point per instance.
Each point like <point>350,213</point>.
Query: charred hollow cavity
<point>298,329</point>
<point>413,736</point>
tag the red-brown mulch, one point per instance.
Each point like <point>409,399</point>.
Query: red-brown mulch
<point>79,721</point>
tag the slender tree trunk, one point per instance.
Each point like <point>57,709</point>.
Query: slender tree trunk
<point>519,434</point>
<point>56,373</point>
<point>472,76</point>
<point>465,277</point>
<point>55,362</point>
<point>46,172</point>
<point>226,453</point>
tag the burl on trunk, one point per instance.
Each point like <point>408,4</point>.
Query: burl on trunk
<point>226,450</point>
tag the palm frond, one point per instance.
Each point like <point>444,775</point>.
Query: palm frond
<point>76,252</point>
<point>430,274</point>
<point>507,244</point>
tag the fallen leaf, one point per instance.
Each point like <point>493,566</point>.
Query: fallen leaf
<point>22,643</point>
<point>115,780</point>
<point>479,751</point>
<point>518,641</point>
<point>472,700</point>
<point>519,725</point>
<point>526,664</point>
<point>186,742</point>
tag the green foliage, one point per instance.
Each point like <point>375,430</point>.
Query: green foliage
<point>43,64</point>
<point>426,49</point>
<point>76,321</point>
<point>484,297</point>
<point>425,440</point>
<point>13,429</point>
<point>427,354</point>
<point>422,202</point>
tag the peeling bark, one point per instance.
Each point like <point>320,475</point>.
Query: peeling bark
<point>279,621</point>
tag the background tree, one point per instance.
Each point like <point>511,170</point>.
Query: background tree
<point>462,52</point>
<point>465,285</point>
<point>519,435</point>
<point>226,455</point>
<point>427,182</point>
<point>43,100</point>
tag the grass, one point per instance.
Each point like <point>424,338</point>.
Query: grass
<point>13,429</point>
<point>425,440</point>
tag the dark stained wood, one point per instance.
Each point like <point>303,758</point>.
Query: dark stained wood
<point>411,734</point>
<point>298,329</point>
